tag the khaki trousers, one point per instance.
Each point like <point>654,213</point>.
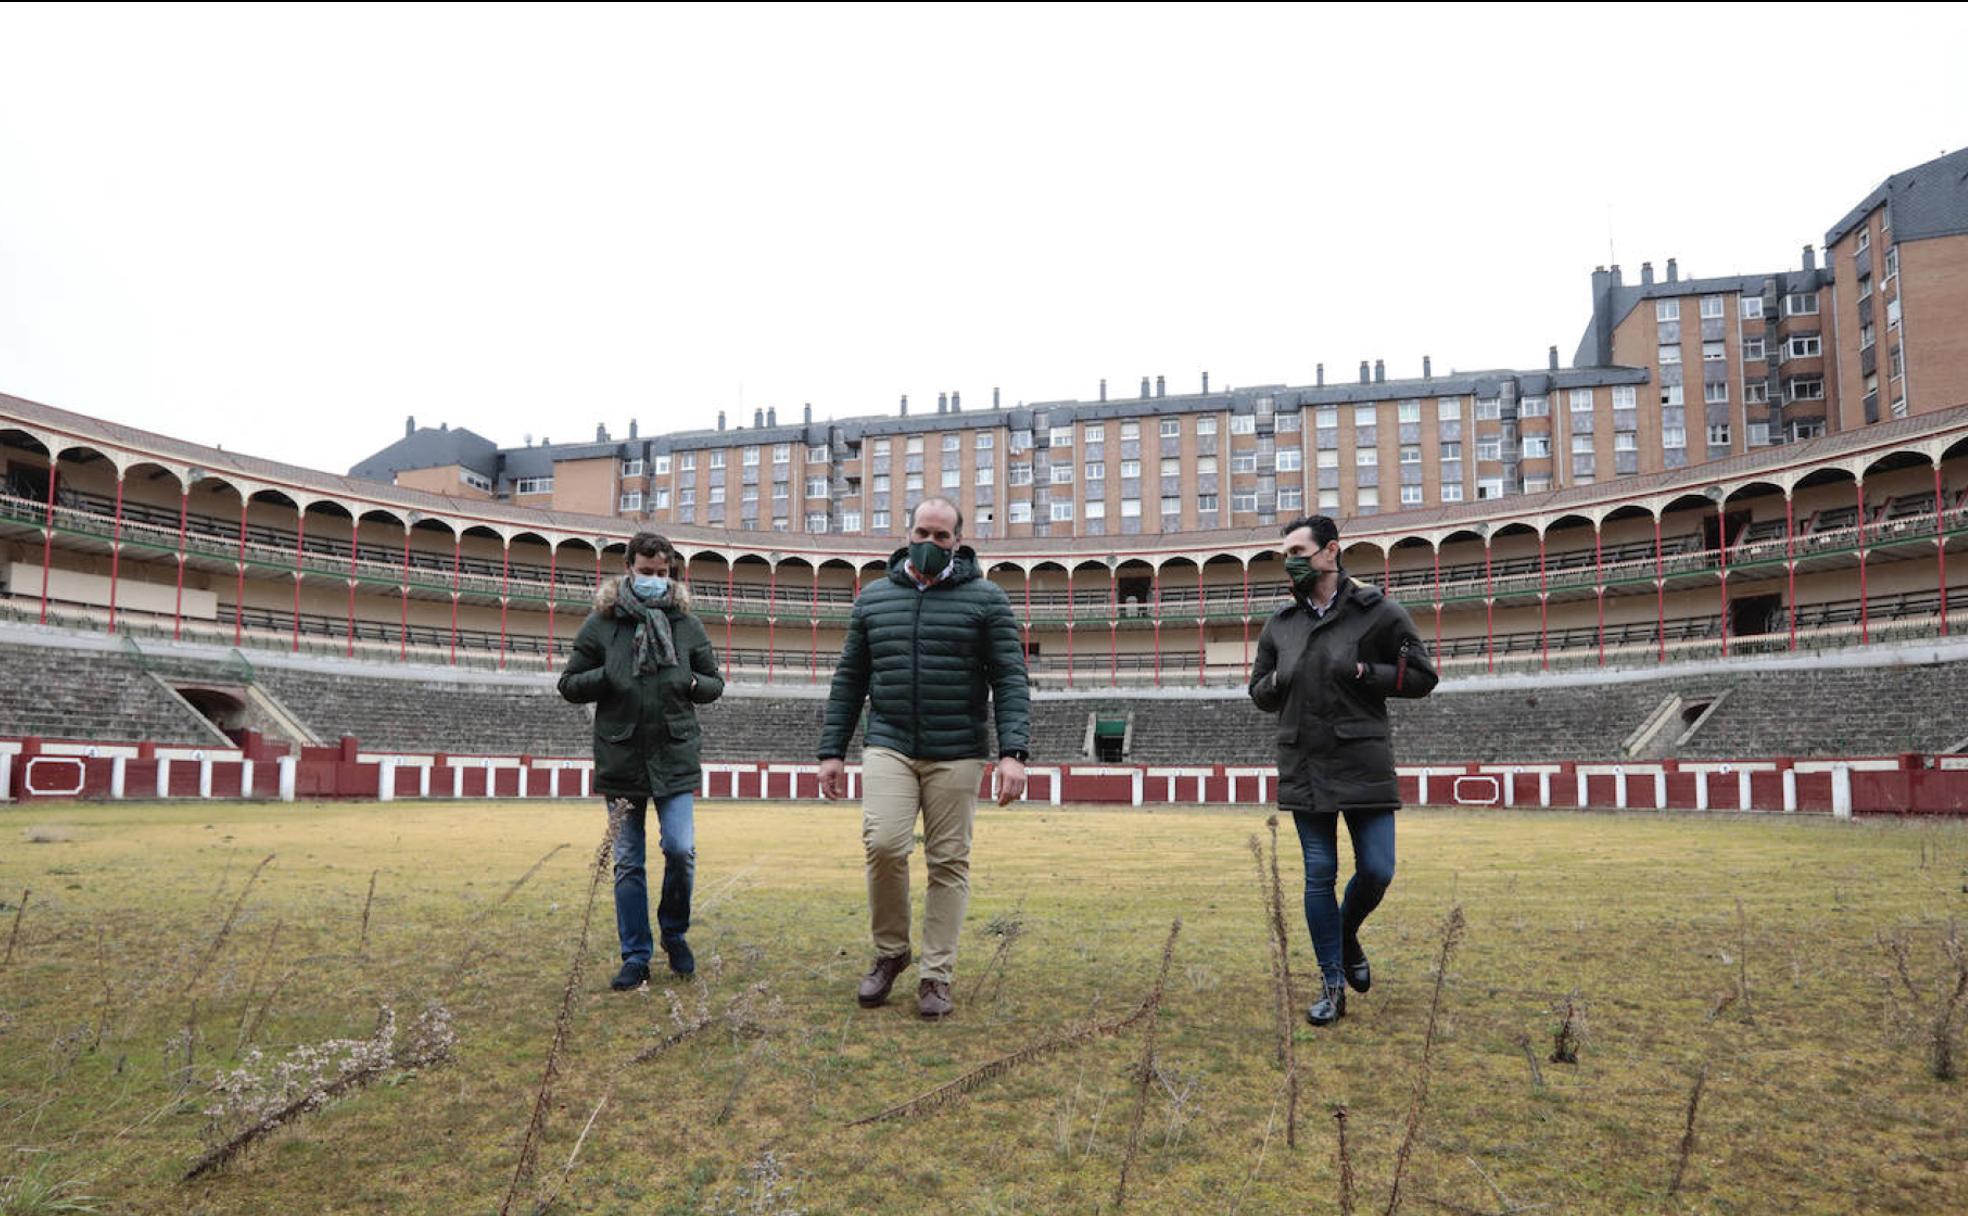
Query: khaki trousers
<point>894,789</point>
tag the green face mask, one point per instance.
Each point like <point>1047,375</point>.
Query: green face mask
<point>928,558</point>
<point>1299,571</point>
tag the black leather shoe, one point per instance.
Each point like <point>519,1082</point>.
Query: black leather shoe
<point>682,962</point>
<point>631,976</point>
<point>1329,1008</point>
<point>1359,976</point>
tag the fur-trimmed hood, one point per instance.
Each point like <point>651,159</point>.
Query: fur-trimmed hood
<point>610,589</point>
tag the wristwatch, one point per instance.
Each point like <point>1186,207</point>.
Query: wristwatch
<point>1014,754</point>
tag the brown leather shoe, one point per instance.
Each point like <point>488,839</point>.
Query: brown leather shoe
<point>880,978</point>
<point>933,999</point>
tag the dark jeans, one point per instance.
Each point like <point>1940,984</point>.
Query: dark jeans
<point>677,837</point>
<point>1334,923</point>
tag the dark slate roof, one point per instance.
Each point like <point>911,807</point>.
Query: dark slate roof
<point>429,448</point>
<point>1614,301</point>
<point>1925,201</point>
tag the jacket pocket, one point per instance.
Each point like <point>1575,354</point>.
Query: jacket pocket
<point>681,723</point>
<point>615,732</point>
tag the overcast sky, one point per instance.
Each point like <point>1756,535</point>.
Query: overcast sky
<point>284,229</point>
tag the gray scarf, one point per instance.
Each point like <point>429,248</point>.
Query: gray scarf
<point>655,648</point>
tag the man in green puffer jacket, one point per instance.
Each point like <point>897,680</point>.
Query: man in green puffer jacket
<point>926,648</point>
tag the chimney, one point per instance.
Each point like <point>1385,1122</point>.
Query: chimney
<point>443,426</point>
<point>956,401</point>
<point>994,396</point>
<point>1646,274</point>
<point>942,403</point>
<point>905,405</point>
<point>1319,375</point>
<point>1205,383</point>
<point>1366,372</point>
<point>1554,358</point>
<point>1673,271</point>
<point>758,419</point>
<point>633,428</point>
<point>1103,388</point>
<point>1618,279</point>
<point>809,414</point>
<point>1427,368</point>
<point>720,420</point>
<point>409,426</point>
<point>601,433</point>
<point>1161,387</point>
<point>772,416</point>
<point>1810,258</point>
<point>1144,388</point>
<point>1380,372</point>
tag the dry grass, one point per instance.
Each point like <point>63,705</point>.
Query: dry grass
<point>1818,1105</point>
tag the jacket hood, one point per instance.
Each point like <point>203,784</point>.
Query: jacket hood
<point>608,590</point>
<point>964,559</point>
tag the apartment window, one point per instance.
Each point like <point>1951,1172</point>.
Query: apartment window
<point>1288,421</point>
<point>1171,428</point>
<point>1096,433</point>
<point>819,456</point>
<point>1326,417</point>
<point>1062,512</point>
<point>1801,304</point>
<point>1667,310</point>
<point>1288,500</point>
<point>1625,441</point>
<point>1366,458</point>
<point>1489,449</point>
<point>1019,475</point>
<point>1803,346</point>
<point>1206,465</point>
<point>881,447</point>
<point>1625,397</point>
<point>1408,411</point>
<point>1536,447</point>
<point>1329,501</point>
<point>1328,458</point>
<point>1893,313</point>
<point>1130,430</point>
<point>686,498</point>
<point>1290,460</point>
<point>1718,435</point>
<point>1749,308</point>
<point>1537,485</point>
<point>816,521</point>
<point>850,521</point>
<point>1865,239</point>
<point>717,460</point>
<point>1130,508</point>
<point>952,442</point>
<point>1534,407</point>
<point>1021,512</point>
<point>1172,466</point>
<point>1670,354</point>
<point>717,496</point>
<point>1241,424</point>
<point>751,458</point>
<point>1711,306</point>
<point>816,487</point>
<point>632,501</point>
<point>1759,434</point>
<point>1490,487</point>
<point>477,481</point>
<point>1451,451</point>
<point>782,453</point>
<point>1807,428</point>
<point>1893,363</point>
<point>1867,335</point>
<point>1489,407</point>
<point>1752,349</point>
<point>952,478</point>
<point>1062,437</point>
<point>1671,395</point>
<point>914,446</point>
<point>1716,394</point>
<point>1366,415</point>
<point>1581,445</point>
<point>986,476</point>
<point>1410,453</point>
<point>632,468</point>
<point>878,521</point>
<point>1451,491</point>
<point>984,441</point>
<point>533,485</point>
<point>1865,288</point>
<point>1171,505</point>
<point>912,483</point>
<point>1062,474</point>
<point>1756,392</point>
<point>1243,462</point>
<point>1130,470</point>
<point>1206,425</point>
<point>1243,504</point>
<point>1674,437</point>
<point>1410,496</point>
<point>880,483</point>
<point>1892,263</point>
<point>1368,499</point>
<point>1899,407</point>
<point>1095,509</point>
<point>1096,471</point>
<point>1714,352</point>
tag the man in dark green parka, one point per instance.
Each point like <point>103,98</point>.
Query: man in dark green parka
<point>643,660</point>
<point>928,649</point>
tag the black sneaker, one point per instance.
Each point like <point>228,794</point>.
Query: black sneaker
<point>1329,1008</point>
<point>1359,976</point>
<point>631,976</point>
<point>682,961</point>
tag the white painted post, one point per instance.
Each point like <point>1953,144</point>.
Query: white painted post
<point>1137,787</point>
<point>386,779</point>
<point>1058,780</point>
<point>288,765</point>
<point>1619,788</point>
<point>163,776</point>
<point>1232,778</point>
<point>1790,790</point>
<point>1510,787</point>
<point>1701,790</point>
<point>553,783</point>
<point>1421,788</point>
<point>246,779</point>
<point>853,785</point>
<point>424,780</point>
<point>205,777</point>
<point>1544,790</point>
<point>457,780</point>
<point>1263,782</point>
<point>1742,791</point>
<point>525,780</point>
<point>116,777</point>
<point>1171,789</point>
<point>1841,791</point>
<point>6,776</point>
<point>1583,787</point>
<point>1660,790</point>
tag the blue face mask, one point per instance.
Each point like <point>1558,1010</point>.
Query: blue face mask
<point>649,586</point>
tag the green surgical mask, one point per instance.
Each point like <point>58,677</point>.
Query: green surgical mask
<point>928,558</point>
<point>1299,570</point>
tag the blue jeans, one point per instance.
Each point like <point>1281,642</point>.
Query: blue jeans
<point>1334,924</point>
<point>677,837</point>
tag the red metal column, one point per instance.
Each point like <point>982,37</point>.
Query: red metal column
<point>1247,614</point>
<point>553,590</point>
<point>1489,610</point>
<point>505,594</point>
<point>184,521</point>
<point>1156,611</point>
<point>1202,633</point>
<point>403,626</point>
<point>1790,562</point>
<point>1940,545</point>
<point>355,550</point>
<point>728,564</point>
<point>1114,627</point>
<point>1660,597</point>
<point>1544,612</point>
<point>48,535</point>
<point>1028,619</point>
<point>457,561</point>
<point>300,563</point>
<point>1069,627</point>
<point>1599,582</point>
<point>1722,566</point>
<point>115,550</point>
<point>771,618</point>
<point>1865,625</point>
<point>813,646</point>
<point>239,566</point>
<point>1438,603</point>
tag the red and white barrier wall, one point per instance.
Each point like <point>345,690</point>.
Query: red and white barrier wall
<point>35,770</point>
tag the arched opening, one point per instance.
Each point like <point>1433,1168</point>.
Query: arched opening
<point>223,708</point>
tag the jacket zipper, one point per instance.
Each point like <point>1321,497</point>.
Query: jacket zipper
<point>915,679</point>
